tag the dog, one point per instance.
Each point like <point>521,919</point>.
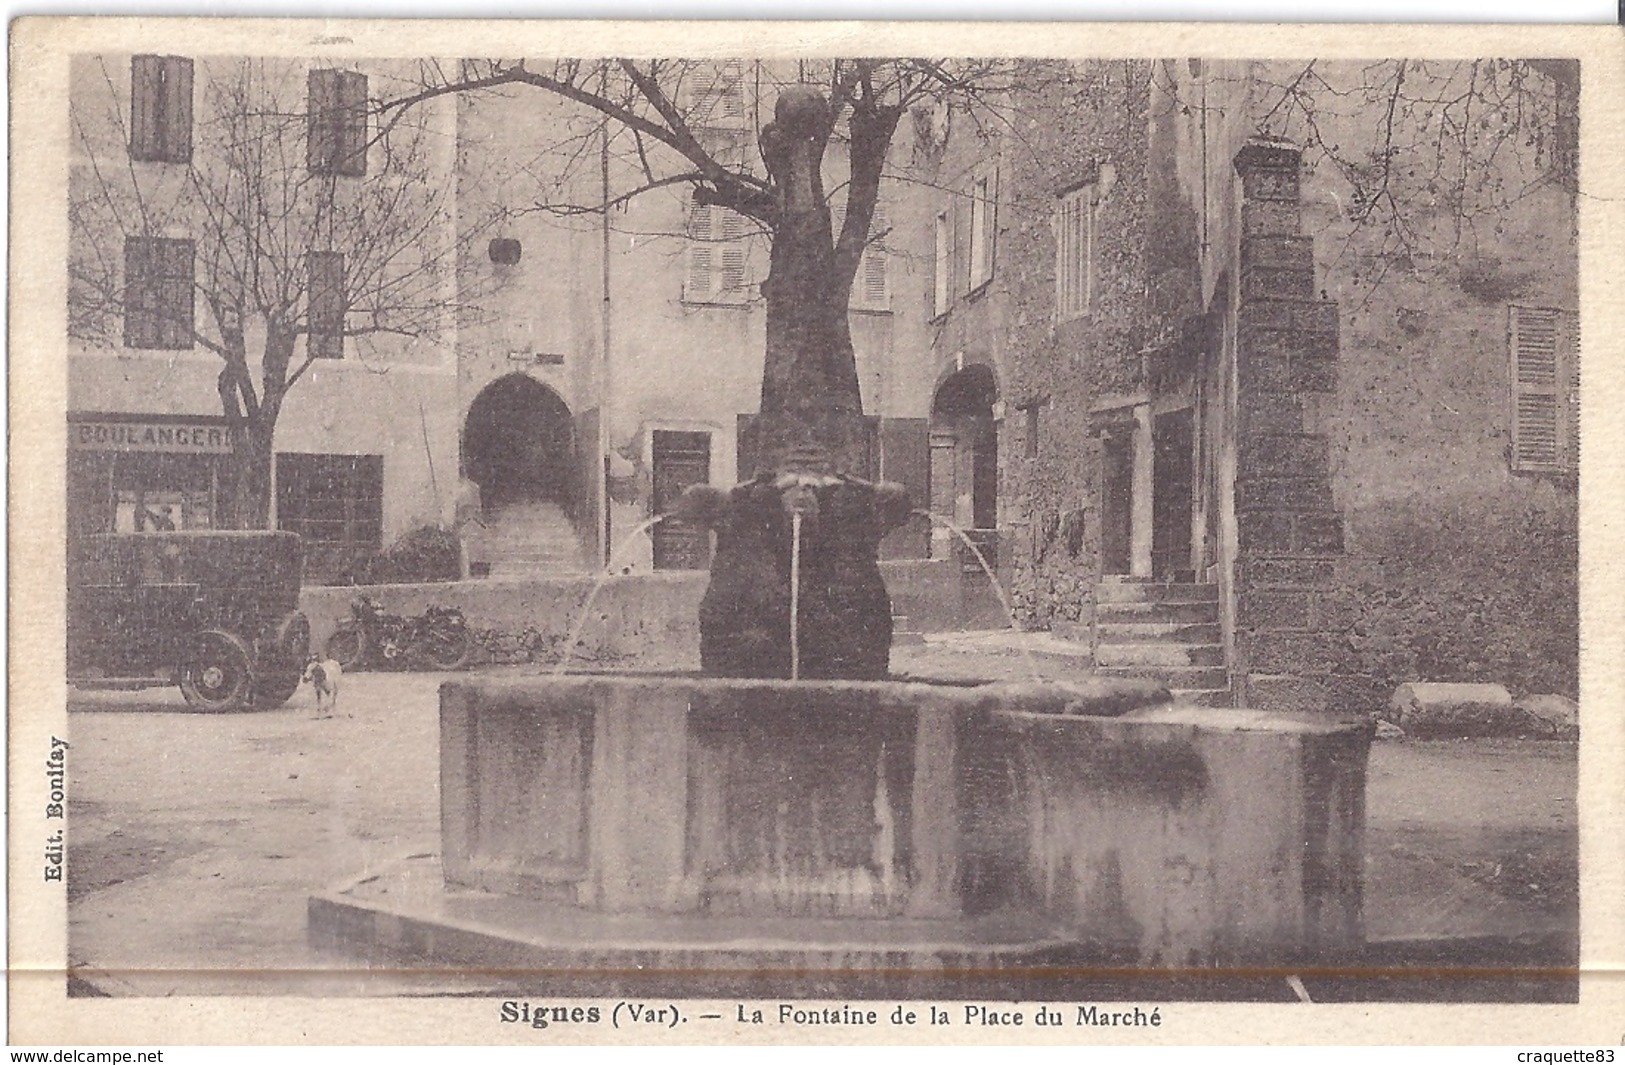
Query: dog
<point>323,675</point>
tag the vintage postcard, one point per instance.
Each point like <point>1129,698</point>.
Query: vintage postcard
<point>552,533</point>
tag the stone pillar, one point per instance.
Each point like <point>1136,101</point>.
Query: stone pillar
<point>1289,531</point>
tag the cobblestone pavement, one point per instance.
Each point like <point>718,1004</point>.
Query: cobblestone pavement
<point>195,839</point>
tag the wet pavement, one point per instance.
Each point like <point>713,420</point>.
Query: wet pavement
<point>195,840</point>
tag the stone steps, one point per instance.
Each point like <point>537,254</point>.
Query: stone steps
<point>1159,632</point>
<point>530,540</point>
<point>1166,632</point>
<point>1159,654</point>
<point>1177,678</point>
<point>1182,613</point>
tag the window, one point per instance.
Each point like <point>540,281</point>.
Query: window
<point>327,304</point>
<point>943,291</point>
<point>871,289</point>
<point>717,247</point>
<point>336,141</point>
<point>161,109</point>
<point>336,503</point>
<point>983,212</point>
<point>1075,253</point>
<point>717,96</point>
<point>158,293</point>
<point>1545,345</point>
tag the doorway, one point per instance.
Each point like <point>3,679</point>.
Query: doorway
<point>964,450</point>
<point>680,459</point>
<point>519,445</point>
<point>1172,476</point>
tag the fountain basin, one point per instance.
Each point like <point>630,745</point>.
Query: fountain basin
<point>624,820</point>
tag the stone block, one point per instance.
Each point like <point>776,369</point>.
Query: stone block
<point>1270,412</point>
<point>1335,611</point>
<point>1318,534</point>
<point>1263,372</point>
<point>1293,654</point>
<point>1438,710</point>
<point>1312,374</point>
<point>1265,314</point>
<point>1270,218</point>
<point>1266,282</point>
<point>1316,316</point>
<point>1284,493</point>
<point>1285,694</point>
<point>1284,455</point>
<point>1273,609</point>
<point>1557,715</point>
<point>1303,572</point>
<point>1278,252</point>
<point>1266,532</point>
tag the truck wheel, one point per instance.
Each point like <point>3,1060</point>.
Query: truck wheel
<point>284,651</point>
<point>217,672</point>
<point>347,646</point>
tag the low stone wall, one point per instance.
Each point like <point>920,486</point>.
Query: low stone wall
<point>645,619</point>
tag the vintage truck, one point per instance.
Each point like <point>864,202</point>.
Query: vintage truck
<point>214,612</point>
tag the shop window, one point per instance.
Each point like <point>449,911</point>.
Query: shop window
<point>326,295</point>
<point>336,109</point>
<point>718,247</point>
<point>161,109</point>
<point>336,503</point>
<point>1545,357</point>
<point>158,293</point>
<point>1075,253</point>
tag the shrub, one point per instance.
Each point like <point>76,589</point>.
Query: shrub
<point>427,553</point>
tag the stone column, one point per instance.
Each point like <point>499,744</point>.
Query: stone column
<point>1289,530</point>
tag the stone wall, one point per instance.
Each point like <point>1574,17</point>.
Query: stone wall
<point>1057,371</point>
<point>647,620</point>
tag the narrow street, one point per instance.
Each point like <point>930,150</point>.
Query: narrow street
<point>195,839</point>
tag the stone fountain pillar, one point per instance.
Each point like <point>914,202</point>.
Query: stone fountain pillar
<point>810,438</point>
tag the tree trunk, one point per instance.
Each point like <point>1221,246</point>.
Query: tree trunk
<point>250,496</point>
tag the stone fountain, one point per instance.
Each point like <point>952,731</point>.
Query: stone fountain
<point>740,832</point>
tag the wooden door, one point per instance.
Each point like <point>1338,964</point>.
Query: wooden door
<point>680,459</point>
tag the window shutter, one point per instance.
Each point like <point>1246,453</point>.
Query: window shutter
<point>175,293</point>
<point>336,123</point>
<point>697,285</point>
<point>873,270</point>
<point>1571,350</point>
<point>325,300</point>
<point>146,87</point>
<point>321,99</point>
<point>731,282</point>
<point>944,264</point>
<point>177,110</point>
<point>138,293</point>
<point>1537,417</point>
<point>350,137</point>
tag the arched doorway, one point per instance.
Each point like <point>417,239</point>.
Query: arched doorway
<point>519,445</point>
<point>964,456</point>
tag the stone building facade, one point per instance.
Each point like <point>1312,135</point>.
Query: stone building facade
<point>1248,441</point>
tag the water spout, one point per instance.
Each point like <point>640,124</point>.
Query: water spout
<point>795,596</point>
<point>585,612</point>
<point>992,580</point>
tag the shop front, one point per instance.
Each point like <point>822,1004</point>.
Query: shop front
<point>146,473</point>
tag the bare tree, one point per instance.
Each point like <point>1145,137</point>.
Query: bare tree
<point>1437,155</point>
<point>304,235</point>
<point>660,118</point>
